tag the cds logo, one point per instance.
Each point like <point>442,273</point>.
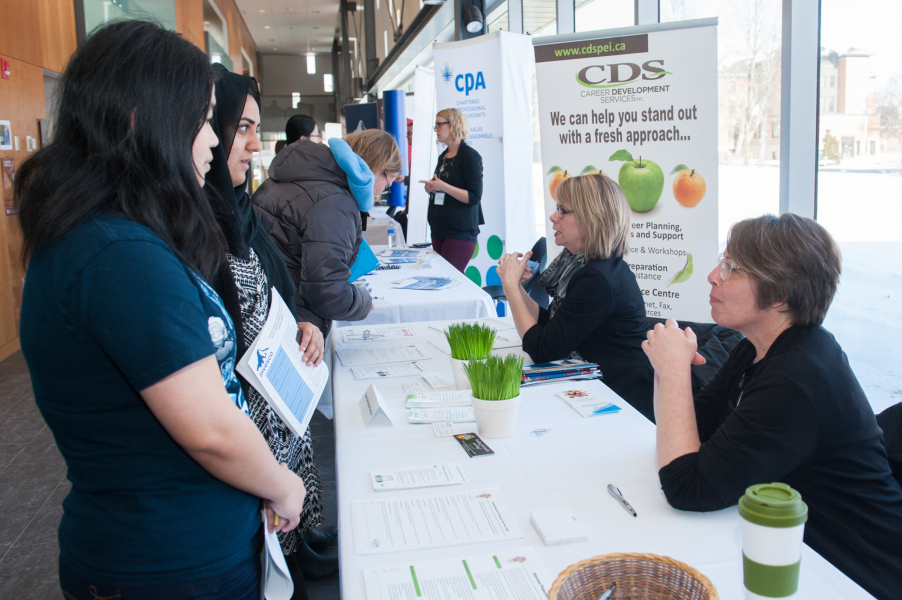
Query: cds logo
<point>617,74</point>
<point>447,73</point>
<point>469,83</point>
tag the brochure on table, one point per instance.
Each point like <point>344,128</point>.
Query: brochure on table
<point>639,104</point>
<point>431,521</point>
<point>517,573</point>
<point>273,365</point>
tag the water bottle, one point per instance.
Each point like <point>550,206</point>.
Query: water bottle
<point>392,236</point>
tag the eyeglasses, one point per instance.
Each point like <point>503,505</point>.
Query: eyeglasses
<point>726,268</point>
<point>560,210</point>
<point>437,125</point>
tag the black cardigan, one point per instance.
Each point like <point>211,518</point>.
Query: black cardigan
<point>803,419</point>
<point>454,219</point>
<point>602,317</point>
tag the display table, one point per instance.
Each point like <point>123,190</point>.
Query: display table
<point>465,300</point>
<point>556,459</point>
<point>377,225</point>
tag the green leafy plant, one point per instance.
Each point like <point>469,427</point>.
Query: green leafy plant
<point>470,340</point>
<point>495,378</point>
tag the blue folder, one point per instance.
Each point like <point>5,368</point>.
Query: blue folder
<point>366,262</point>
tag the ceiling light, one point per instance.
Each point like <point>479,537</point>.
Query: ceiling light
<point>267,27</point>
<point>311,63</point>
<point>262,10</point>
<point>473,19</point>
<point>433,2</point>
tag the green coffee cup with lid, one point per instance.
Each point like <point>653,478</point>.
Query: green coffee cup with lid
<point>773,525</point>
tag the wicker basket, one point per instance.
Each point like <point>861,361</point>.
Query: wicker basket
<point>637,577</point>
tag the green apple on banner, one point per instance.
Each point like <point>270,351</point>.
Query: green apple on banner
<point>642,181</point>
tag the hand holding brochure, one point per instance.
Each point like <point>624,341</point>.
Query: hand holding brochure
<point>273,365</point>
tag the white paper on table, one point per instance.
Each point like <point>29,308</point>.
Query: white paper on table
<point>273,365</point>
<point>385,371</point>
<point>507,338</point>
<point>465,517</point>
<point>402,253</point>
<point>459,414</point>
<point>517,573</point>
<point>277,583</point>
<point>403,478</point>
<point>440,399</point>
<point>422,282</point>
<point>414,387</point>
<point>372,407</point>
<point>377,334</point>
<point>436,381</point>
<point>588,404</point>
<point>379,356</point>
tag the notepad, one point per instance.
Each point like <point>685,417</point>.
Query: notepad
<point>557,526</point>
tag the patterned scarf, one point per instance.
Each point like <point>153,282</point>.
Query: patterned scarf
<point>557,275</point>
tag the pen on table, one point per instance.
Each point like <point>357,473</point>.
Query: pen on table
<point>612,489</point>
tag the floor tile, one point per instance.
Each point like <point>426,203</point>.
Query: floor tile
<point>25,487</point>
<point>8,452</point>
<point>11,527</point>
<point>42,448</point>
<point>30,572</point>
<point>43,528</point>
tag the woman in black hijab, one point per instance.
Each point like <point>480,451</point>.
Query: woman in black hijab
<point>253,266</point>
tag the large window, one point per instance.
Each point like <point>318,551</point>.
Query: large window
<point>98,12</point>
<point>748,94</point>
<point>859,187</point>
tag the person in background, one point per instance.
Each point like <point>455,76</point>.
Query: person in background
<point>302,127</point>
<point>401,215</point>
<point>131,353</point>
<point>311,206</point>
<point>455,212</point>
<point>786,406</point>
<point>252,266</point>
<point>597,312</point>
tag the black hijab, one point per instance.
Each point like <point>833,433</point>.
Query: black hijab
<point>232,205</point>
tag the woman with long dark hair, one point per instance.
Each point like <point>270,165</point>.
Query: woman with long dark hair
<point>131,353</point>
<point>252,266</point>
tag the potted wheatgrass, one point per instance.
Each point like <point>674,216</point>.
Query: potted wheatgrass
<point>495,382</point>
<point>468,340</point>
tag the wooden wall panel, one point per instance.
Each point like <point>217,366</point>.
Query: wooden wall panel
<point>239,34</point>
<point>57,32</point>
<point>19,28</point>
<point>21,103</point>
<point>33,36</point>
<point>189,21</point>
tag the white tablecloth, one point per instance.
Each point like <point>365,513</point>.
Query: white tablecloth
<point>567,466</point>
<point>377,224</point>
<point>465,300</point>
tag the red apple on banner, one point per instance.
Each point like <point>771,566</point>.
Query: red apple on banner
<point>641,180</point>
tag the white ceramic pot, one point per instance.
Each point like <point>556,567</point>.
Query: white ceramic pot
<point>496,418</point>
<point>461,381</point>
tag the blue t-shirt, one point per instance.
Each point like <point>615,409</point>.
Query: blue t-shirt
<point>109,310</point>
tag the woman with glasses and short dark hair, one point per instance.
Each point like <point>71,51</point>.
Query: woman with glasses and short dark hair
<point>786,406</point>
<point>597,312</point>
<point>455,191</point>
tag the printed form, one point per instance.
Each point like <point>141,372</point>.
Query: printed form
<point>431,521</point>
<point>517,573</point>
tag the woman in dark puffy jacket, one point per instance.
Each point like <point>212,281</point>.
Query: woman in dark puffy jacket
<point>311,207</point>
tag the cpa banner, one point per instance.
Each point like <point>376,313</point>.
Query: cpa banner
<point>488,79</point>
<point>640,105</point>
